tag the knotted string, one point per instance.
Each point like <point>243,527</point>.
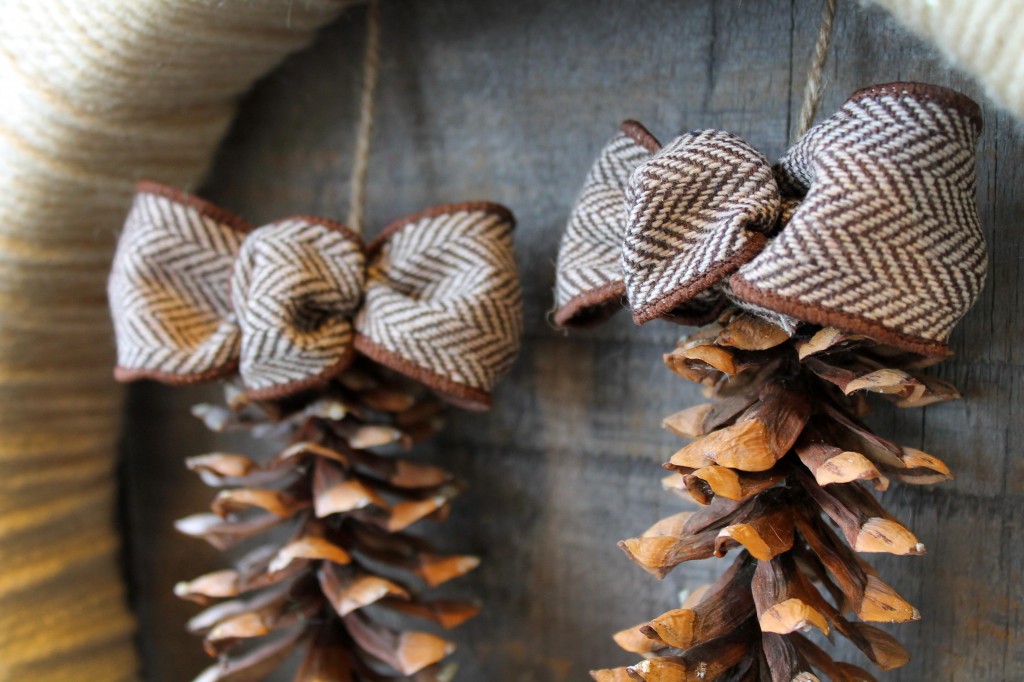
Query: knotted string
<point>367,114</point>
<point>815,85</point>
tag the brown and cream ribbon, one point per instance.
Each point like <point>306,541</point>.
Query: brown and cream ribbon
<point>868,223</point>
<point>197,294</point>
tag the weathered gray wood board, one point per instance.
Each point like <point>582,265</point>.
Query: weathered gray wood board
<point>510,101</point>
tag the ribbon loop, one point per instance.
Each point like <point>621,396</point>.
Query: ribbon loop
<point>589,285</point>
<point>169,289</point>
<point>886,240</point>
<point>198,294</point>
<point>443,302</point>
<point>696,211</point>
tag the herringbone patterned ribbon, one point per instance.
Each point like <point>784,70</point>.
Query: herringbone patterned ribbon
<point>886,240</point>
<point>198,294</point>
<point>869,223</point>
<point>589,284</point>
<point>698,209</point>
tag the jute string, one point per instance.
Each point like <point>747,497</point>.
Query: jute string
<point>367,116</point>
<point>93,96</point>
<point>815,74</point>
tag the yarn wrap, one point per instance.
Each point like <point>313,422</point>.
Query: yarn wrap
<point>86,110</point>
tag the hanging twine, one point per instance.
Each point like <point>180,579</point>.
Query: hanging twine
<point>95,96</point>
<point>815,75</point>
<point>367,114</point>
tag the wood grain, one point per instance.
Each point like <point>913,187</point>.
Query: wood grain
<point>510,101</point>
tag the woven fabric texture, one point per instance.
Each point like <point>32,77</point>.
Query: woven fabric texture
<point>887,239</point>
<point>443,294</point>
<point>698,209</point>
<point>868,223</point>
<point>985,37</point>
<point>197,294</point>
<point>95,96</point>
<point>589,284</point>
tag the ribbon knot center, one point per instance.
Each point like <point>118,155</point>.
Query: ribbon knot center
<point>296,285</point>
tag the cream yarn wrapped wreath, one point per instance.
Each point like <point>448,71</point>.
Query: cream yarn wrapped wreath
<point>86,108</point>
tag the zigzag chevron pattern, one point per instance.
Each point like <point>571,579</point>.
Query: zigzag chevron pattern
<point>169,289</point>
<point>294,289</point>
<point>443,294</point>
<point>874,210</point>
<point>193,297</point>
<point>588,284</point>
<point>887,240</point>
<point>698,209</point>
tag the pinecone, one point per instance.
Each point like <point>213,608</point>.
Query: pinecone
<point>328,517</point>
<point>334,344</point>
<point>781,465</point>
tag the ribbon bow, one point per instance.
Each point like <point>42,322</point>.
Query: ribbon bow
<point>198,294</point>
<point>868,223</point>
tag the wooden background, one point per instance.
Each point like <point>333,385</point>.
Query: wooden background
<point>511,101</point>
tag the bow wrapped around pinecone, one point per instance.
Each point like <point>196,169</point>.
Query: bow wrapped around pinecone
<point>837,272</point>
<point>338,351</point>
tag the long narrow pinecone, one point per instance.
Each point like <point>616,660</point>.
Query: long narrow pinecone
<point>782,466</point>
<point>326,519</point>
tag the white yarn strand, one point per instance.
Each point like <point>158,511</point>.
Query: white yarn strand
<point>984,37</point>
